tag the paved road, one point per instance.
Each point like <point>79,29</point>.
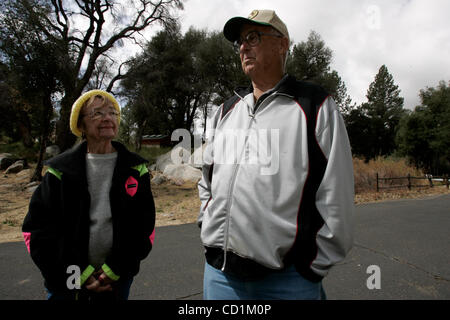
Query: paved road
<point>408,240</point>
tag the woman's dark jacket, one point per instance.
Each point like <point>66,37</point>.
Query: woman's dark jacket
<point>56,228</point>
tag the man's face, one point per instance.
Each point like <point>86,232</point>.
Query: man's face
<point>264,59</point>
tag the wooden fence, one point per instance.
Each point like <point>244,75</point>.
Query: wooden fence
<point>409,182</point>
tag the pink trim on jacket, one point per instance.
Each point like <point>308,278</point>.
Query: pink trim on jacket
<point>27,238</point>
<point>152,237</point>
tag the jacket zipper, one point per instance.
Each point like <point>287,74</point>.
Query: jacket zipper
<point>252,115</point>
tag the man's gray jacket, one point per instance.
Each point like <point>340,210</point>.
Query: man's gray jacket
<point>277,183</point>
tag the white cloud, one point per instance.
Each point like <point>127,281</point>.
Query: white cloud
<point>411,37</point>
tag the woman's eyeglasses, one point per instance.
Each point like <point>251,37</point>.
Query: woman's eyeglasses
<point>98,114</point>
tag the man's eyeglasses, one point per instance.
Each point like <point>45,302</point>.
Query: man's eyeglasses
<point>97,114</point>
<point>253,38</point>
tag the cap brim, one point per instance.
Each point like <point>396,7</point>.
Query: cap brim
<point>232,29</point>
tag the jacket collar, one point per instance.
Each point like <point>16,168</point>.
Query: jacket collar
<point>73,161</point>
<point>287,86</point>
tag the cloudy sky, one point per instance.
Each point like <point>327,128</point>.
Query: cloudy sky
<point>411,37</point>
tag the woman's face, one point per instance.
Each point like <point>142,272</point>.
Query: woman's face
<point>100,121</point>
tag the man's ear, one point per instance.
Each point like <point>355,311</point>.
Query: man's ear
<point>284,45</point>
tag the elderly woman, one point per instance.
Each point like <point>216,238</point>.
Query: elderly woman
<point>94,211</point>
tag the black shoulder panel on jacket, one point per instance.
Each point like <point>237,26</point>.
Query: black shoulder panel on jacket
<point>310,97</point>
<point>229,104</point>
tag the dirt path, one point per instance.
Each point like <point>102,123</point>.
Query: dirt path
<point>13,204</point>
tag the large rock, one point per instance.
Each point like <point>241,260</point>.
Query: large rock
<point>162,161</point>
<point>178,155</point>
<point>158,179</point>
<point>6,160</point>
<point>25,173</point>
<point>16,167</point>
<point>196,159</point>
<point>182,171</point>
<point>32,186</point>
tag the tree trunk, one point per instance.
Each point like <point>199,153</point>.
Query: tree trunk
<point>140,133</point>
<point>205,119</point>
<point>45,132</point>
<point>25,132</point>
<point>65,139</point>
<point>37,174</point>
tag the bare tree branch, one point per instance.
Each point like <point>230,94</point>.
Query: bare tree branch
<point>117,77</point>
<point>81,45</point>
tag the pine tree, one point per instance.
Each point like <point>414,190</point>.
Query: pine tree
<point>311,61</point>
<point>384,109</point>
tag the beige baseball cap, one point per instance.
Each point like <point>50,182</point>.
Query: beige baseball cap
<point>233,26</point>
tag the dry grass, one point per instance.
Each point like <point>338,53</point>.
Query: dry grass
<point>176,204</point>
<point>365,173</point>
<point>419,193</point>
<point>365,181</point>
<point>13,204</point>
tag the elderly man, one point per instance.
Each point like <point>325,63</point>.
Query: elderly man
<point>274,233</point>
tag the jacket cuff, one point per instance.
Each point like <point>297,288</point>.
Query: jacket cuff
<point>107,270</point>
<point>86,274</point>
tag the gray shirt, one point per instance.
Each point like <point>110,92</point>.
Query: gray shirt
<point>99,170</point>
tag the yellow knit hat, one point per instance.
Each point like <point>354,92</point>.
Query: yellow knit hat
<point>76,108</point>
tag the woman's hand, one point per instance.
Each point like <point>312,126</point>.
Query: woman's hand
<point>99,282</point>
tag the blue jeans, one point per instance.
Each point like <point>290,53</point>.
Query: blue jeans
<point>121,291</point>
<point>284,285</point>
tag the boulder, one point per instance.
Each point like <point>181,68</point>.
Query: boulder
<point>196,159</point>
<point>178,155</point>
<point>182,171</point>
<point>32,189</point>
<point>32,186</point>
<point>6,160</point>
<point>15,167</point>
<point>158,179</point>
<point>25,173</point>
<point>5,155</point>
<point>177,181</point>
